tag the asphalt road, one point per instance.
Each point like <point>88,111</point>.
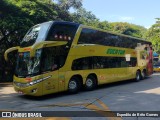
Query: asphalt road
<point>122,96</point>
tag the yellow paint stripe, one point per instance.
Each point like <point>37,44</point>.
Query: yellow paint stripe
<point>106,108</point>
<point>93,107</point>
<point>102,111</point>
<point>98,110</point>
<point>103,105</point>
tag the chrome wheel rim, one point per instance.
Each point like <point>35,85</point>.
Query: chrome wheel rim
<point>72,85</point>
<point>89,82</point>
<point>138,76</point>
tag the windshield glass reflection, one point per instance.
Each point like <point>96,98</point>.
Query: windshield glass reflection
<point>36,34</point>
<point>27,66</point>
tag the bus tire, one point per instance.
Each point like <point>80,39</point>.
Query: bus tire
<point>143,74</point>
<point>90,83</point>
<point>138,76</point>
<point>73,85</point>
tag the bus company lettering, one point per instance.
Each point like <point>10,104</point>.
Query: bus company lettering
<point>115,51</point>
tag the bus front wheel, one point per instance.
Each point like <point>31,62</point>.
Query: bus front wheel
<point>90,83</point>
<point>73,85</point>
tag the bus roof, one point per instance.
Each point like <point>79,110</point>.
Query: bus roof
<point>66,22</point>
<point>61,22</point>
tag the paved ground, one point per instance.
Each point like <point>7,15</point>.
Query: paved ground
<point>123,96</point>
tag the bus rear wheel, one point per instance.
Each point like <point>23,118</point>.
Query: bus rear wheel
<point>90,83</point>
<point>73,85</point>
<point>138,76</point>
<point>143,74</point>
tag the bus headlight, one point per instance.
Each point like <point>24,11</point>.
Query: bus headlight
<point>21,84</point>
<point>30,83</point>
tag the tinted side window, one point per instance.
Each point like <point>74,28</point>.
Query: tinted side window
<point>86,36</point>
<point>53,58</point>
<point>82,64</point>
<point>123,62</point>
<point>98,62</point>
<point>133,62</point>
<point>91,36</point>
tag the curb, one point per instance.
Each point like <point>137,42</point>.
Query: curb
<point>8,84</point>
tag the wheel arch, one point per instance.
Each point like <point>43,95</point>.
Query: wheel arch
<point>94,75</point>
<point>139,70</point>
<point>79,77</point>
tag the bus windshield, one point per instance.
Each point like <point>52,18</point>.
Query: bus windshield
<point>27,66</point>
<point>36,34</point>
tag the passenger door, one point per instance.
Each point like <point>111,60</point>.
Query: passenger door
<point>50,70</point>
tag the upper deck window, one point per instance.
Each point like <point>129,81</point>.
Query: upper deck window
<point>91,36</point>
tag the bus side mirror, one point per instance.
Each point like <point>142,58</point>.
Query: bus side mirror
<point>8,51</point>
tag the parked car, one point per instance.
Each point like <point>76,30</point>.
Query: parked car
<point>156,67</point>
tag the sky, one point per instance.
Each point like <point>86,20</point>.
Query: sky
<point>139,12</point>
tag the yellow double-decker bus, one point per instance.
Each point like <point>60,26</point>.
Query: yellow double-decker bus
<point>58,56</point>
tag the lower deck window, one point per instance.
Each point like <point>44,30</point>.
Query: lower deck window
<point>98,62</point>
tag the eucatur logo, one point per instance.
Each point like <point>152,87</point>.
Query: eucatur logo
<point>115,51</point>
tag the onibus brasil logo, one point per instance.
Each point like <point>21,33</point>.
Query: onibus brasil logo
<point>20,115</point>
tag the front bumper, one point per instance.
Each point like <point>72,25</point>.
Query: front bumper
<point>34,90</point>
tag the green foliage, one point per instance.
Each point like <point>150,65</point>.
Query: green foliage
<point>13,24</point>
<point>67,4</point>
<point>85,17</point>
<point>21,15</point>
<point>153,34</point>
<point>16,17</point>
<point>129,29</point>
<point>37,10</point>
<point>105,25</point>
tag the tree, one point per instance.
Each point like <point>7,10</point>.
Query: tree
<point>128,29</point>
<point>16,17</point>
<point>153,35</point>
<point>105,25</point>
<point>67,4</point>
<point>85,17</point>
